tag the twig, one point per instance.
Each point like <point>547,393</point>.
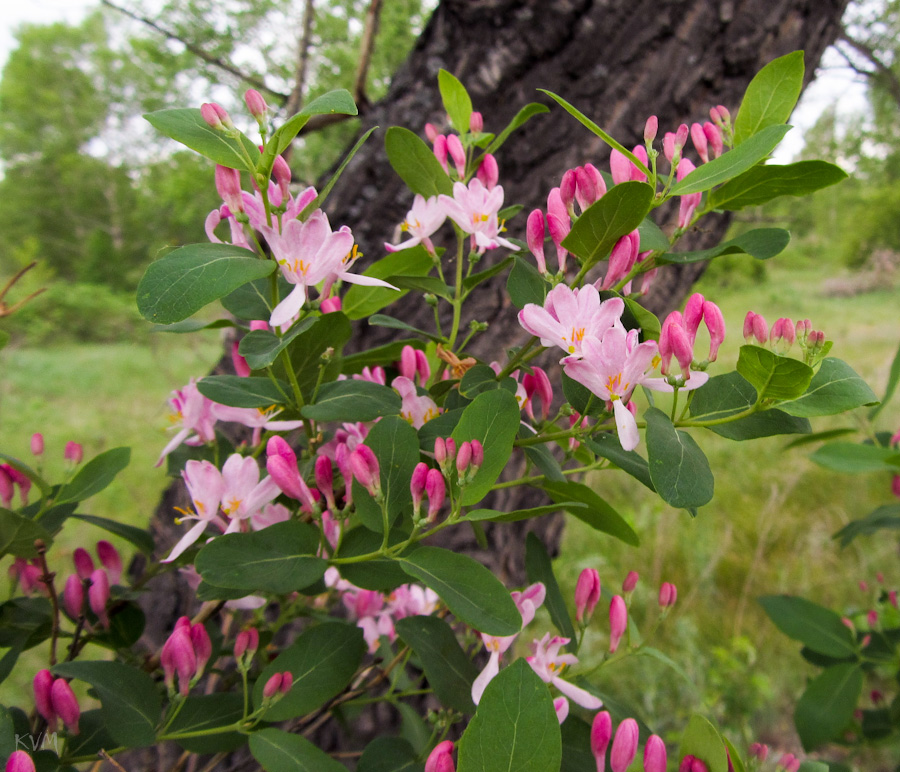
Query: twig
<point>106,757</point>
<point>366,46</point>
<point>47,580</point>
<point>295,100</point>
<point>882,72</point>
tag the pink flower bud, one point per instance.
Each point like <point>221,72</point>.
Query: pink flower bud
<point>755,326</point>
<point>273,686</point>
<point>73,596</point>
<point>867,639</point>
<point>440,760</point>
<point>178,656</point>
<point>440,450</point>
<point>872,618</point>
<point>202,645</point>
<point>559,228</point>
<point>618,623</point>
<point>624,747</point>
<point>37,444</point>
<point>538,383</point>
<point>715,323</point>
<point>620,166</point>
<point>436,489</point>
<point>43,700</point>
<point>759,751</point>
<point>422,367</point>
<point>790,762</point>
<point>73,452</point>
<point>439,147</point>
<point>98,595</point>
<point>19,761</point>
<point>622,259</point>
<point>863,585</point>
<point>587,593</point>
<point>669,146</point>
<point>693,315</point>
<point>408,362</point>
<point>259,324</point>
<point>567,188</point>
<point>417,485</point>
<point>431,132</point>
<point>256,104</point>
<point>325,479</point>
<point>211,115</point>
<point>698,136</point>
<point>246,642</point>
<point>681,136</point>
<point>534,237</point>
<point>476,122</point>
<point>587,191</point>
<point>724,115</point>
<point>651,127</point>
<point>451,448</point>
<point>892,596</point>
<point>674,341</point>
<point>561,706</point>
<point>287,681</point>
<point>65,704</point>
<point>463,458</point>
<point>281,463</point>
<point>84,564</point>
<point>692,764</point>
<point>457,154</point>
<point>7,489</point>
<point>488,172</point>
<point>631,581</point>
<point>668,594</point>
<point>655,754</point>
<point>713,139</point>
<point>478,452</point>
<point>110,560</point>
<point>281,173</point>
<point>601,734</point>
<point>228,184</point>
<point>364,466</point>
<point>241,367</point>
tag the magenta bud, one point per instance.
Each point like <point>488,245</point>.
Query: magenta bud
<point>714,139</point>
<point>228,185</point>
<point>19,761</point>
<point>631,580</point>
<point>622,258</point>
<point>417,485</point>
<point>567,189</point>
<point>693,315</point>
<point>698,136</point>
<point>209,114</point>
<point>587,593</point>
<point>364,466</point>
<point>457,154</point>
<point>259,324</point>
<point>241,367</point>
<point>624,747</point>
<point>451,448</point>
<point>431,132</point>
<point>408,362</point>
<point>440,150</point>
<point>681,136</point>
<point>256,104</point>
<point>73,596</point>
<point>422,367</point>
<point>110,560</point>
<point>84,564</point>
<point>669,146</point>
<point>281,173</point>
<point>181,657</point>
<point>440,760</point>
<point>7,488</point>
<point>620,166</point>
<point>463,457</point>
<point>98,595</point>
<point>535,234</point>
<point>73,452</point>
<point>489,172</point>
<point>202,645</point>
<point>476,122</point>
<point>43,700</point>
<point>247,642</point>
<point>273,686</point>
<point>440,450</point>
<point>715,323</point>
<point>436,489</point>
<point>325,479</point>
<point>655,754</point>
<point>37,444</point>
<point>759,751</point>
<point>477,453</point>
<point>538,383</point>
<point>790,762</point>
<point>65,704</point>
<point>601,734</point>
<point>561,706</point>
<point>651,127</point>
<point>618,623</point>
<point>668,594</point>
<point>724,114</point>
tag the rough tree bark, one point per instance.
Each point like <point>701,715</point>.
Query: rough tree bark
<point>618,61</point>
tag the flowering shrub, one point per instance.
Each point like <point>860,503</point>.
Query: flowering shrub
<point>305,544</point>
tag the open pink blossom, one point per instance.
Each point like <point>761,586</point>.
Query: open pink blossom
<point>205,486</point>
<point>416,409</point>
<point>244,494</point>
<point>549,665</point>
<point>256,418</point>
<point>474,209</point>
<point>195,414</point>
<point>568,316</point>
<point>425,217</point>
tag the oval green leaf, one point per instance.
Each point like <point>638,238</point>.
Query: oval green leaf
<point>235,391</point>
<point>826,707</point>
<point>815,626</point>
<point>95,475</point>
<point>186,125</point>
<point>678,468</point>
<point>771,96</point>
<point>280,751</point>
<point>353,400</point>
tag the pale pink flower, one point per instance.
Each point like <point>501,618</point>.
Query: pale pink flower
<point>425,217</point>
<point>416,409</point>
<point>244,495</point>
<point>256,418</point>
<point>474,209</point>
<point>195,414</point>
<point>549,665</point>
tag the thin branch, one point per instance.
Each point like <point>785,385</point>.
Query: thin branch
<point>197,51</point>
<point>366,47</point>
<point>882,71</point>
<point>295,100</point>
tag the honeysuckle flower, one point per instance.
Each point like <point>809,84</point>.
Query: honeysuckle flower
<point>601,734</point>
<point>561,706</point>
<point>425,217</point>
<point>244,494</point>
<point>624,747</point>
<point>416,409</point>
<point>549,664</point>
<point>205,486</point>
<point>195,414</point>
<point>269,515</point>
<point>256,418</point>
<point>215,217</point>
<point>474,209</point>
<point>568,316</point>
<point>410,600</point>
<point>440,759</point>
<point>655,754</point>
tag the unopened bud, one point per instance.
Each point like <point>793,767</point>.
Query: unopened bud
<point>457,154</point>
<point>84,563</point>
<point>567,189</point>
<point>476,122</point>
<point>440,760</point>
<point>98,595</point>
<point>440,450</point>
<point>73,452</point>
<point>618,623</point>
<point>587,593</point>
<point>110,560</point>
<point>43,701</point>
<point>668,594</point>
<point>477,453</point>
<point>715,323</point>
<point>256,104</point>
<point>65,704</point>
<point>692,764</point>
<point>273,686</point>
<point>489,172</point>
<point>759,751</point>
<point>631,581</point>
<point>37,444</point>
<point>19,761</point>
<point>698,137</point>
<point>655,754</point>
<point>431,132</point>
<point>463,458</point>
<point>624,747</point>
<point>601,734</point>
<point>651,127</point>
<point>216,116</point>
<point>228,185</point>
<point>439,148</point>
<point>436,489</point>
<point>73,596</point>
<point>534,237</point>
<point>364,465</point>
<point>246,643</point>
<point>417,485</point>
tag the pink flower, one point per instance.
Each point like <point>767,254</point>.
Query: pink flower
<point>425,217</point>
<point>416,409</point>
<point>474,209</point>
<point>440,759</point>
<point>19,761</point>
<point>205,486</point>
<point>549,664</point>
<point>256,418</point>
<point>194,412</point>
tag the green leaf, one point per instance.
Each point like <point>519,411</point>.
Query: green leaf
<point>763,183</point>
<point>186,125</point>
<point>523,116</point>
<point>92,736</point>
<point>604,222</point>
<point>253,300</point>
<point>731,164</point>
<point>815,626</point>
<point>851,458</point>
<point>470,591</point>
<point>390,754</point>
<point>379,574</point>
<point>352,400</point>
<point>423,284</point>
<point>608,446</point>
<point>192,325</point>
<point>333,102</point>
<point>541,457</point>
<point>493,419</point>
<point>826,707</point>
<point>477,278</point>
<point>834,389</point>
<point>678,468</point>
<point>205,712</point>
<point>771,96</point>
<point>136,536</point>
<point>181,283</point>
<point>539,568</point>
<point>130,700</point>
<point>396,445</point>
<point>331,331</point>
<point>727,395</point>
<point>646,320</point>
<point>576,746</point>
<point>415,163</point>
<point>701,740</point>
<point>280,751</point>
<point>95,475</point>
<point>515,727</point>
<point>261,347</point>
<point>502,516</point>
<point>456,101</point>
<point>760,243</point>
<point>361,301</point>
<point>893,380</point>
<point>322,661</point>
<point>18,534</point>
<point>476,380</point>
<point>24,623</point>
<point>4,339</point>
<point>279,559</point>
<point>235,391</point>
<point>525,284</point>
<point>773,376</point>
<point>382,320</point>
<point>885,517</point>
<point>652,236</point>
<point>449,671</point>
<point>597,513</point>
<point>828,434</point>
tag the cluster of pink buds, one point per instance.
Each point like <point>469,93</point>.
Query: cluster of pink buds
<point>54,698</point>
<point>19,761</point>
<point>450,145</point>
<point>587,595</point>
<point>10,478</point>
<point>679,334</point>
<point>427,481</point>
<point>245,645</point>
<point>364,466</point>
<point>185,653</point>
<point>783,333</point>
<point>668,594</point>
<point>440,759</point>
<point>789,762</point>
<point>216,116</point>
<point>256,106</point>
<point>93,583</point>
<point>691,763</point>
<point>624,745</point>
<point>278,685</point>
